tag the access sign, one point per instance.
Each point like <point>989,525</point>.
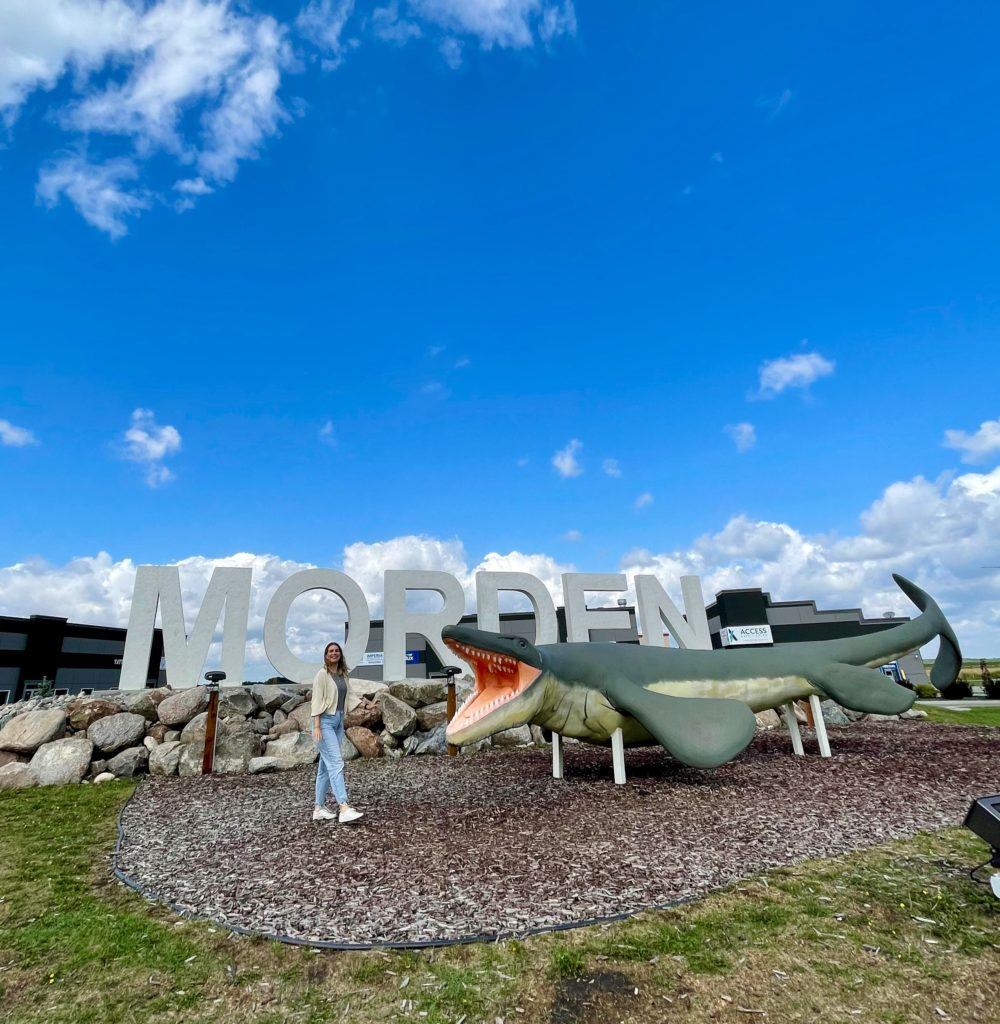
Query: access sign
<point>740,636</point>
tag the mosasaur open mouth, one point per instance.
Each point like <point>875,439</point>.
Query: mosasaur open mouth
<point>501,678</point>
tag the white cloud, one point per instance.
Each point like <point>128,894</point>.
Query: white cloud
<point>565,461</point>
<point>148,444</point>
<point>505,23</point>
<point>938,533</point>
<point>190,189</point>
<point>573,535</point>
<point>391,27</point>
<point>433,351</point>
<point>610,467</point>
<point>15,437</point>
<point>522,462</point>
<point>461,364</point>
<point>196,80</point>
<point>327,435</point>
<point>644,500</point>
<point>798,371</point>
<point>774,104</point>
<point>717,158</point>
<point>98,191</point>
<point>450,49</point>
<point>322,22</point>
<point>977,447</point>
<point>743,435</point>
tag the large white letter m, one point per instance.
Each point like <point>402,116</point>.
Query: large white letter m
<point>228,590</point>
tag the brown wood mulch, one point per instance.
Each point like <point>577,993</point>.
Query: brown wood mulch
<point>491,843</point>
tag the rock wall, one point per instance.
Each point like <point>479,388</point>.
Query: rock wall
<point>262,728</point>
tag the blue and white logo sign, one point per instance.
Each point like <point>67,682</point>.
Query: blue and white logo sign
<point>740,636</point>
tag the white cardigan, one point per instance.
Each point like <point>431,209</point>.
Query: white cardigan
<point>326,694</point>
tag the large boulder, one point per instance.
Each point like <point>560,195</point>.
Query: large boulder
<point>268,697</point>
<point>236,701</point>
<point>833,714</point>
<point>129,763</point>
<point>431,716</point>
<point>293,702</point>
<point>84,712</point>
<point>146,702</point>
<point>348,751</point>
<point>61,762</point>
<point>157,732</point>
<point>103,777</point>
<point>294,749</point>
<point>194,731</point>
<point>426,742</point>
<point>26,733</point>
<point>366,713</point>
<point>301,717</point>
<point>233,754</point>
<point>17,776</point>
<point>397,717</point>
<point>768,719</point>
<point>519,736</point>
<point>363,689</point>
<point>9,757</point>
<point>262,765</point>
<point>165,758</point>
<point>116,732</point>
<point>179,708</point>
<point>190,759</point>
<point>365,741</point>
<point>419,692</point>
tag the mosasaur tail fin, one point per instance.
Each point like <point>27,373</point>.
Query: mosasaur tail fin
<point>948,662</point>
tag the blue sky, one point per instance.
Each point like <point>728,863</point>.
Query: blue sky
<point>453,236</point>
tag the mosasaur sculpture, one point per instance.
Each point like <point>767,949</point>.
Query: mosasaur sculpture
<point>698,705</point>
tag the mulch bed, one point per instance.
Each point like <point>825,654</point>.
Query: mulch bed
<point>490,844</point>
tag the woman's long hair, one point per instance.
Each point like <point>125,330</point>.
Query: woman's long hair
<point>342,668</point>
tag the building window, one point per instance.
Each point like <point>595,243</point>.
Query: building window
<point>13,641</point>
<point>89,645</point>
<point>30,692</point>
<point>4,696</point>
<point>60,693</point>
<point>86,691</point>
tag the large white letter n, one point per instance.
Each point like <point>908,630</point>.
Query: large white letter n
<point>228,590</point>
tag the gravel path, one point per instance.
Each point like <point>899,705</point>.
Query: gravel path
<point>492,844</point>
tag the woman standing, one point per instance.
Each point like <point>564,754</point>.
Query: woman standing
<point>329,699</point>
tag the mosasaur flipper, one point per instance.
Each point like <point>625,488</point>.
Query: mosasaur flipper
<point>698,705</point>
<point>863,689</point>
<point>703,732</point>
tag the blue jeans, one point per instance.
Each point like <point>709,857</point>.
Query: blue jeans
<point>330,775</point>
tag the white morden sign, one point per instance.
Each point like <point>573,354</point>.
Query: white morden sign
<point>228,598</point>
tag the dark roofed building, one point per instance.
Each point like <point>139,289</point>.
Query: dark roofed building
<point>72,657</point>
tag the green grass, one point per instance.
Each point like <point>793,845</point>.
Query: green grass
<point>892,932</point>
<point>974,716</point>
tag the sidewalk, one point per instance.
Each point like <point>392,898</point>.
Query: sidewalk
<point>959,705</point>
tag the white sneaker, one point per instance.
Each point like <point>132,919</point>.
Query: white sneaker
<point>323,814</point>
<point>349,815</point>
